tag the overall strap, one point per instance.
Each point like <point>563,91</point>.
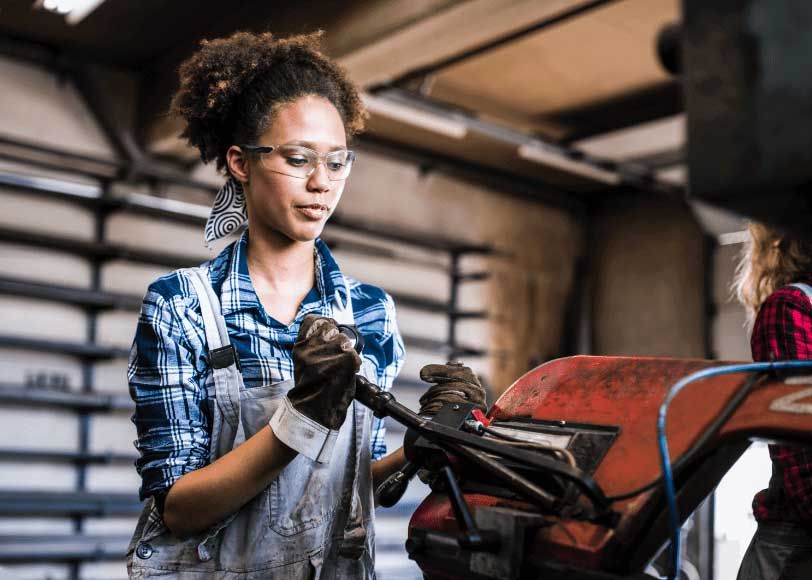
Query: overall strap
<point>805,288</point>
<point>354,539</point>
<point>222,355</point>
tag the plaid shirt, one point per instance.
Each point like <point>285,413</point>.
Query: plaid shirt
<point>169,375</point>
<point>783,331</point>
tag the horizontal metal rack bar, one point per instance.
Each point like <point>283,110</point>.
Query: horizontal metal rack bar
<point>189,213</point>
<point>83,350</point>
<point>432,344</point>
<point>36,456</point>
<point>17,549</point>
<point>435,306</point>
<point>111,300</point>
<point>96,250</point>
<point>69,295</point>
<point>113,251</point>
<point>472,276</point>
<point>95,352</point>
<point>67,503</point>
<point>77,401</point>
<point>35,397</point>
<point>70,157</point>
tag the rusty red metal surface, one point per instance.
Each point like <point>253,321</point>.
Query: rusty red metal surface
<point>626,392</point>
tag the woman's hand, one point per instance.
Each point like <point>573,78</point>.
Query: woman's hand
<point>453,383</point>
<point>324,369</point>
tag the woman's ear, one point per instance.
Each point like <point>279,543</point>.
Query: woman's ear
<point>237,164</point>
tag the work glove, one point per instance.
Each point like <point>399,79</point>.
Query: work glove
<point>453,383</point>
<point>324,369</point>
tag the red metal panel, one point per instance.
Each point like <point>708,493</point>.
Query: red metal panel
<point>626,392</point>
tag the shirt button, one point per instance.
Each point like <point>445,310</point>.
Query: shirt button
<point>143,551</point>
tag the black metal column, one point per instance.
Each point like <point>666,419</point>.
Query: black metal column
<point>452,302</point>
<point>100,217</point>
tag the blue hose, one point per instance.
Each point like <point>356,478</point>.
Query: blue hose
<point>665,460</point>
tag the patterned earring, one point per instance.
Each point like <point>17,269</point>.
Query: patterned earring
<point>228,213</point>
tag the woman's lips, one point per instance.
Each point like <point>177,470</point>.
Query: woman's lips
<point>313,211</point>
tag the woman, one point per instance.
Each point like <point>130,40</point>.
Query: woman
<point>774,283</point>
<point>256,460</point>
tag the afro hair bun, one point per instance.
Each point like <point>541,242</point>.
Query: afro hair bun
<point>231,87</point>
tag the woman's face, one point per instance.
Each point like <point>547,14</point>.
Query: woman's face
<point>295,207</point>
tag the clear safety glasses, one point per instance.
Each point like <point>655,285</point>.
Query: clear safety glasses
<point>301,162</point>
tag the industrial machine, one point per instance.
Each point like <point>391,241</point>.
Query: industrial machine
<point>569,474</point>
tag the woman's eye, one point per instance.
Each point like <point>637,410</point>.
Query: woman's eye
<point>297,161</point>
<point>335,166</point>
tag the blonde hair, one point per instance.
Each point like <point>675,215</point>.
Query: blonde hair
<point>769,260</point>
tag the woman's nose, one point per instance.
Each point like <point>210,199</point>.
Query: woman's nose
<point>319,180</point>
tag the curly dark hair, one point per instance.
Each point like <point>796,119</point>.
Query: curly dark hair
<point>232,87</point>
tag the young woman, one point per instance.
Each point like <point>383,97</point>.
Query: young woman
<point>255,459</point>
<point>774,283</point>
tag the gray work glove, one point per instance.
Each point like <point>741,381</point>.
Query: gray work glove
<point>453,383</point>
<point>324,369</point>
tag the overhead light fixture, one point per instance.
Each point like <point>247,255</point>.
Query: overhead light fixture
<point>427,120</point>
<point>74,10</point>
<point>546,155</point>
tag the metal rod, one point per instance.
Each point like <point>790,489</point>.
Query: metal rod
<point>384,404</point>
<point>52,548</point>
<point>27,455</point>
<point>471,537</point>
<point>453,299</point>
<point>39,503</point>
<point>85,248</point>
<point>96,402</point>
<point>112,300</point>
<point>519,484</point>
<point>69,295</point>
<point>196,214</point>
<point>77,349</point>
<point>461,511</point>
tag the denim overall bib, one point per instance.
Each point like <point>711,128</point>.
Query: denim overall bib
<point>314,521</point>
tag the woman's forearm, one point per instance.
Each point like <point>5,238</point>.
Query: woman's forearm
<point>386,466</point>
<point>207,495</point>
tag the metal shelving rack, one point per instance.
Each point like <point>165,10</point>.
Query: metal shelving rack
<point>80,504</point>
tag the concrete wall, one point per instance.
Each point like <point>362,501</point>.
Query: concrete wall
<point>647,268</point>
<point>529,284</point>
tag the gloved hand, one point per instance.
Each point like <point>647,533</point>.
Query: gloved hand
<point>454,383</point>
<point>324,369</point>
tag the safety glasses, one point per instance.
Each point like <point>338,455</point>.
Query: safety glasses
<point>299,161</point>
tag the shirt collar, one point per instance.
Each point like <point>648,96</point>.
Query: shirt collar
<point>237,292</point>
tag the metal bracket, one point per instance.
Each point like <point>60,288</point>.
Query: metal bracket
<point>511,526</point>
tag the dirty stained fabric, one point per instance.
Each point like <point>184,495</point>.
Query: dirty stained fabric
<point>324,369</point>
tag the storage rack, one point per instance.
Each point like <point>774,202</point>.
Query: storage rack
<point>80,504</point>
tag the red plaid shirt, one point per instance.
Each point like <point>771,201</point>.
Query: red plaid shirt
<point>783,331</point>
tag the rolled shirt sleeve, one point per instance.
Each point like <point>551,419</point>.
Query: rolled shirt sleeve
<point>165,370</point>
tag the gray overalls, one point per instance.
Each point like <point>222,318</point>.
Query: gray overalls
<point>315,520</point>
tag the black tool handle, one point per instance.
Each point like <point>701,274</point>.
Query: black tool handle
<point>393,488</point>
<point>356,338</point>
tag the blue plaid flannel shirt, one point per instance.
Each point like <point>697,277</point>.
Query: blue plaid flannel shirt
<point>169,376</point>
